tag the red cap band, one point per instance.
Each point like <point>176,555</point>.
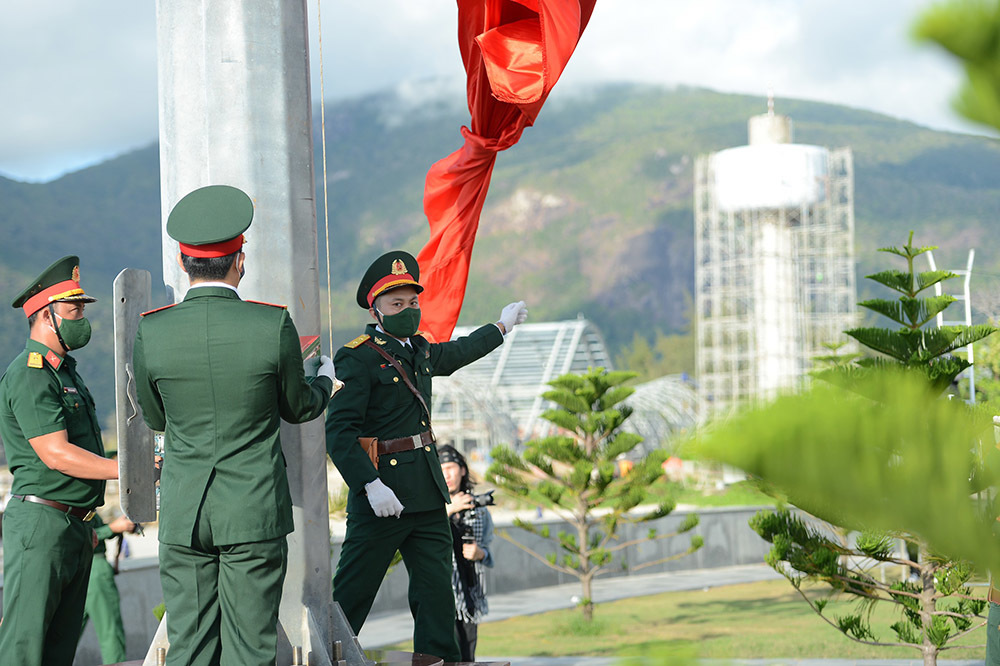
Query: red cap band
<point>49,294</point>
<point>388,282</point>
<point>222,249</point>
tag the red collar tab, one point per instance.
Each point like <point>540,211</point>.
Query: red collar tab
<point>54,359</point>
<point>222,249</point>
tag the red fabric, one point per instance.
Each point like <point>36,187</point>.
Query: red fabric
<point>514,52</point>
<point>222,249</point>
<point>58,290</point>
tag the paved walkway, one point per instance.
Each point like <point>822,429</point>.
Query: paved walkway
<point>390,628</point>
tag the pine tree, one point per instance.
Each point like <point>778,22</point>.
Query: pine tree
<point>575,474</point>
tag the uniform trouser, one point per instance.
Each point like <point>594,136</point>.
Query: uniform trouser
<point>468,634</point>
<point>993,635</point>
<point>104,608</point>
<point>424,541</point>
<point>222,601</point>
<point>47,558</point>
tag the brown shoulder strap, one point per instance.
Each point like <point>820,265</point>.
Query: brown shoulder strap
<point>402,373</point>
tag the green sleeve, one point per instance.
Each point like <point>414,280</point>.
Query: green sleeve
<point>299,400</point>
<point>37,404</point>
<point>345,418</point>
<point>145,388</point>
<point>447,357</point>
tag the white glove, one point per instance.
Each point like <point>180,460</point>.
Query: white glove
<point>382,499</point>
<point>512,315</point>
<point>310,366</point>
<point>326,368</point>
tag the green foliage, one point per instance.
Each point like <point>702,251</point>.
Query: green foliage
<point>892,461</point>
<point>575,473</point>
<point>969,29</point>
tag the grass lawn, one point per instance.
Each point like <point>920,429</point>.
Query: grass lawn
<point>754,620</point>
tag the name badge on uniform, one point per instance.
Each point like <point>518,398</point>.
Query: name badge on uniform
<point>70,389</point>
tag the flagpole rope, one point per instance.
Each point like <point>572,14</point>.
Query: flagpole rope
<point>326,199</point>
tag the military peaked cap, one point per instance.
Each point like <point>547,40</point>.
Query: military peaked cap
<point>210,221</point>
<point>391,270</point>
<point>58,282</point>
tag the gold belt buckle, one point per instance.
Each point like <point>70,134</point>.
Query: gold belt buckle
<point>89,516</point>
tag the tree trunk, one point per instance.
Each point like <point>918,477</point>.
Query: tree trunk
<point>927,605</point>
<point>588,599</point>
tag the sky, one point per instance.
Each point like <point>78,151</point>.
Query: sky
<point>78,77</point>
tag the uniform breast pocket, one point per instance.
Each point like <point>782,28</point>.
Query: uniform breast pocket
<point>396,471</point>
<point>391,389</point>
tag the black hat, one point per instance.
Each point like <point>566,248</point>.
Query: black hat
<point>391,270</point>
<point>58,282</point>
<point>210,221</point>
<point>449,454</point>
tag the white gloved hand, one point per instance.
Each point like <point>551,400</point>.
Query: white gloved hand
<point>383,500</point>
<point>512,315</point>
<point>310,366</point>
<point>326,368</point>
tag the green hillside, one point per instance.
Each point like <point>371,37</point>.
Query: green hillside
<point>590,213</point>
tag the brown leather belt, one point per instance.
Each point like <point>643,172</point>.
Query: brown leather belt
<point>75,511</point>
<point>387,446</point>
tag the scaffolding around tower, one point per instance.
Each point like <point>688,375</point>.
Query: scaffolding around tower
<point>774,262</point>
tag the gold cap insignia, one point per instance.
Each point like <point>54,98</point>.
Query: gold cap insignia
<point>76,274</point>
<point>34,360</point>
<point>398,267</point>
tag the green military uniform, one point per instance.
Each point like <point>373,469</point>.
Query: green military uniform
<point>103,601</point>
<point>376,402</point>
<point>47,551</point>
<point>217,374</point>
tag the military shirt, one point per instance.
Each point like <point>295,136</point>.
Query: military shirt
<point>375,402</point>
<point>41,393</point>
<point>217,374</point>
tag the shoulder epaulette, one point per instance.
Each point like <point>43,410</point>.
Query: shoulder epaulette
<point>35,360</point>
<point>148,312</point>
<point>357,342</point>
<point>273,305</point>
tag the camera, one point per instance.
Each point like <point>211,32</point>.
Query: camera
<point>484,499</point>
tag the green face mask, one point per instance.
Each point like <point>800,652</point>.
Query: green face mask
<point>73,333</point>
<point>403,324</point>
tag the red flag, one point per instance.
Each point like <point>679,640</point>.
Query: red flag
<point>514,52</point>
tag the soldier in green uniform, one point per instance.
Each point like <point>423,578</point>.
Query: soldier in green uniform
<point>217,374</point>
<point>398,503</point>
<point>103,601</point>
<point>53,442</point>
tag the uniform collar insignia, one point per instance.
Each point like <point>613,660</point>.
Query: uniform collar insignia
<point>54,360</point>
<point>379,341</point>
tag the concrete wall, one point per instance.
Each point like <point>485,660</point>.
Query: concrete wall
<point>728,541</point>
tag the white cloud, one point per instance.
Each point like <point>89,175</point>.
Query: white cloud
<point>79,77</point>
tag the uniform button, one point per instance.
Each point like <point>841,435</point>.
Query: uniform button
<point>393,462</point>
<point>427,448</point>
<point>395,379</point>
<point>423,423</point>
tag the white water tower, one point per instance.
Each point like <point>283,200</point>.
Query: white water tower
<point>774,261</point>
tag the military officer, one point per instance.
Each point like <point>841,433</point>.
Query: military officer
<point>397,502</point>
<point>53,442</point>
<point>217,374</point>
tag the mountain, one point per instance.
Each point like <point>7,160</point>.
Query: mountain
<point>590,213</point>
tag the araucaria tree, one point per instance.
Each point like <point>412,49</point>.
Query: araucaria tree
<point>575,474</point>
<point>935,603</point>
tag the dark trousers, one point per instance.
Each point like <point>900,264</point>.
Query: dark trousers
<point>222,601</point>
<point>468,632</point>
<point>47,559</point>
<point>104,608</point>
<point>424,541</point>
